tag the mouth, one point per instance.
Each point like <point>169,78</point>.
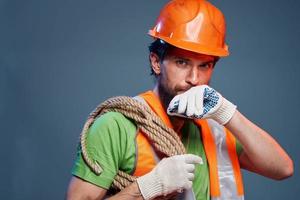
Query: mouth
<point>182,90</point>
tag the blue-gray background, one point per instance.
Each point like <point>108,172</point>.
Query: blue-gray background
<point>60,58</point>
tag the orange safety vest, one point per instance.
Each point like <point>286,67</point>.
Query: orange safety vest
<point>218,159</point>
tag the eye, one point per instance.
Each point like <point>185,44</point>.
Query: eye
<point>207,65</point>
<point>181,62</point>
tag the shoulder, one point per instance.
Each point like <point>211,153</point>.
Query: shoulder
<point>107,143</point>
<point>112,123</point>
<point>112,118</point>
<point>111,132</point>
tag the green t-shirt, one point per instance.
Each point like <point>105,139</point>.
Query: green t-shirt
<point>111,142</point>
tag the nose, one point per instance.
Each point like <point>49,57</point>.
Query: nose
<point>192,76</point>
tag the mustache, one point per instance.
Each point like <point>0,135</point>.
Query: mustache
<point>182,89</point>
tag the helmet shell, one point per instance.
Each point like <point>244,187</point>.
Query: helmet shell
<point>193,25</point>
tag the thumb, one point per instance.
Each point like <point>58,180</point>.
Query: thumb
<point>192,159</point>
<point>173,105</point>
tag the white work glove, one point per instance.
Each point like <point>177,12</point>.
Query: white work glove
<point>202,102</point>
<point>171,174</point>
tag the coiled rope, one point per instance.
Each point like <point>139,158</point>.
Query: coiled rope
<point>164,139</point>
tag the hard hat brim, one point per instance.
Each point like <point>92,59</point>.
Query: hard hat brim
<point>193,47</point>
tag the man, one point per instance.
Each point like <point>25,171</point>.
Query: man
<point>190,38</point>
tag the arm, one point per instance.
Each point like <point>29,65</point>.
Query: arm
<point>261,153</point>
<point>83,190</point>
<point>170,175</point>
<point>80,190</point>
<point>131,192</point>
<point>110,139</point>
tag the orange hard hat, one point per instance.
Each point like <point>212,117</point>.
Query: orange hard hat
<point>193,25</point>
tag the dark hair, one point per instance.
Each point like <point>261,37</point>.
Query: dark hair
<point>159,47</point>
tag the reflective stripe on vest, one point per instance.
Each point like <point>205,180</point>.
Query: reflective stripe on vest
<point>224,170</point>
<point>220,149</point>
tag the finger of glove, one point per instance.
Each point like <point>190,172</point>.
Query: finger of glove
<point>173,105</point>
<point>199,100</point>
<point>182,103</point>
<point>190,176</point>
<point>190,168</point>
<point>190,110</point>
<point>188,185</point>
<point>192,159</point>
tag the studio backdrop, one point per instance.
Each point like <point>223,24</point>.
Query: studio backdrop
<point>61,58</point>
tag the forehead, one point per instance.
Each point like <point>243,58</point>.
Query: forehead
<point>177,52</point>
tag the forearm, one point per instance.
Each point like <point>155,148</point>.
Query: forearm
<point>131,192</point>
<point>264,153</point>
<point>81,189</point>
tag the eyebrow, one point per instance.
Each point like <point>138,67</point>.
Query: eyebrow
<point>188,60</point>
<point>182,58</point>
<point>207,62</point>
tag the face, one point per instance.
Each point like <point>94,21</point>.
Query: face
<point>180,70</point>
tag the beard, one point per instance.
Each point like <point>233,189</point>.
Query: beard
<point>165,95</point>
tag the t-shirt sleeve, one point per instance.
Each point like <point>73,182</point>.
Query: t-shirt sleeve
<point>110,142</point>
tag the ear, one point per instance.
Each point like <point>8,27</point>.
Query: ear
<point>155,63</point>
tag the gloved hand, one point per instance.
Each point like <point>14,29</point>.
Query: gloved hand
<point>171,174</point>
<point>202,102</point>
